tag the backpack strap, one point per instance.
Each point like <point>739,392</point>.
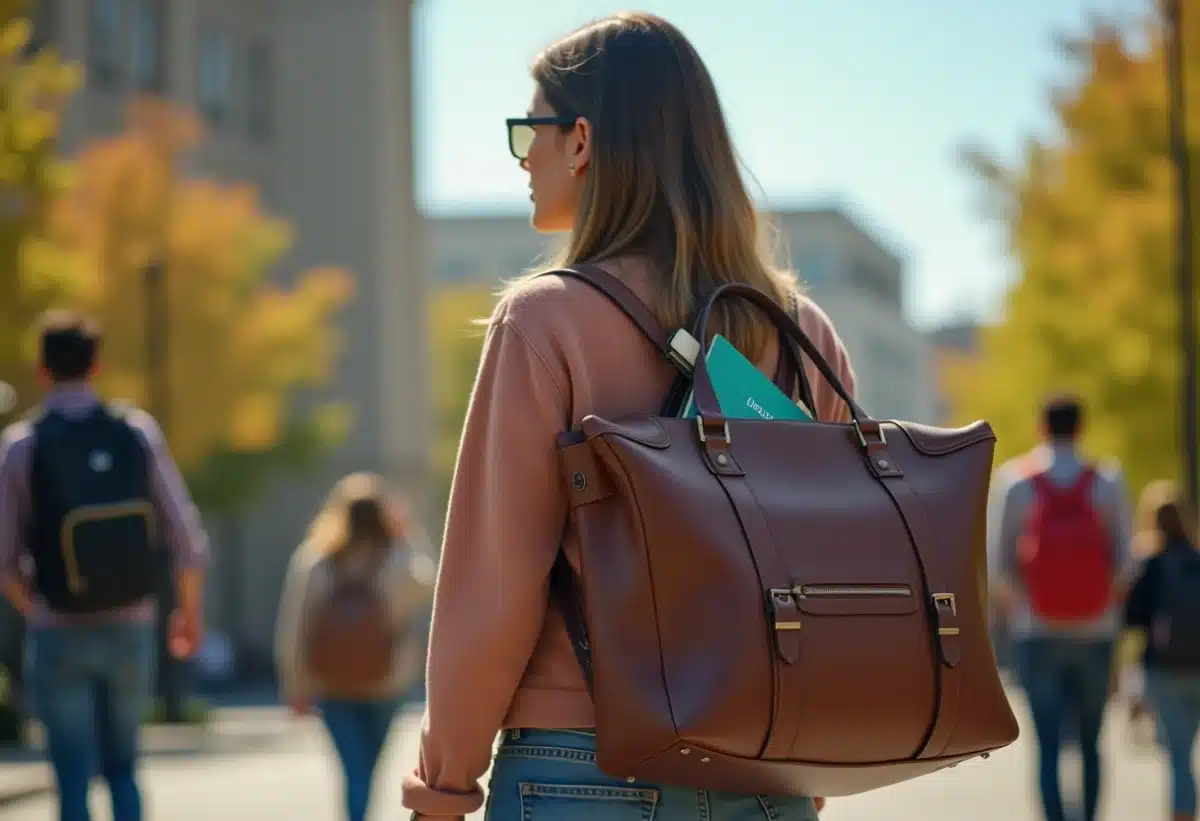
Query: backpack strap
<point>1080,489</point>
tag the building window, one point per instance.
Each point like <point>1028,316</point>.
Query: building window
<point>148,27</point>
<point>44,18</point>
<point>216,76</point>
<point>260,100</point>
<point>104,40</point>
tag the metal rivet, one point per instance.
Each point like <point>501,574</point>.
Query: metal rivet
<point>705,760</point>
<point>630,780</point>
<point>883,463</point>
<point>685,751</point>
<point>579,480</point>
<point>722,459</point>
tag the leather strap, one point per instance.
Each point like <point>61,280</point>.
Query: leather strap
<point>942,606</point>
<point>783,614</point>
<point>566,596</point>
<point>791,362</point>
<point>625,299</point>
<point>788,370</point>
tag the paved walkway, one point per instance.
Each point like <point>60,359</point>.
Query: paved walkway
<point>295,778</point>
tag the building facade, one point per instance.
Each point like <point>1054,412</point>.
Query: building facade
<point>956,349</point>
<point>849,273</point>
<point>311,100</point>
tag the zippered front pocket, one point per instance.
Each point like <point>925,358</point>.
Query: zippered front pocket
<point>817,590</point>
<point>830,599</point>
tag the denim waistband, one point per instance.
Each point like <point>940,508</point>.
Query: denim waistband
<point>541,735</point>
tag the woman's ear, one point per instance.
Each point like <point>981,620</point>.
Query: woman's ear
<point>581,145</point>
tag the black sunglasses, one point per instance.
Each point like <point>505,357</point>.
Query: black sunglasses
<point>521,132</point>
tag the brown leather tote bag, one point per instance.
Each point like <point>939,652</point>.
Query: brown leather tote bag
<point>779,608</point>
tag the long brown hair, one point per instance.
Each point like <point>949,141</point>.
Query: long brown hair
<point>1163,518</point>
<point>360,511</point>
<point>663,181</point>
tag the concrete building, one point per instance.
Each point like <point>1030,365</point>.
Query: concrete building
<point>848,272</point>
<point>312,101</point>
<point>956,349</point>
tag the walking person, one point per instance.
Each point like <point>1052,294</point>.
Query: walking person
<point>92,502</point>
<point>1059,548</point>
<point>628,152</point>
<point>347,640</point>
<point>1164,602</point>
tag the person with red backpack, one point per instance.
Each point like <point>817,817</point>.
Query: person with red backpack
<point>1059,551</point>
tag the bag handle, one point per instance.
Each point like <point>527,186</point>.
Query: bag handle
<point>707,407</point>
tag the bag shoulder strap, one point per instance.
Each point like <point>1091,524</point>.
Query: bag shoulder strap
<point>624,298</point>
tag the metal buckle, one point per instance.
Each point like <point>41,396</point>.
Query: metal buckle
<point>783,595</point>
<point>940,599</point>
<point>862,439</point>
<point>704,436</point>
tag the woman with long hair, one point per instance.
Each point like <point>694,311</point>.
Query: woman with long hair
<point>347,641</point>
<point>628,153</point>
<point>1164,603</point>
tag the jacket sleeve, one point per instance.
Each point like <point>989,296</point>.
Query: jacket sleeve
<point>505,521</point>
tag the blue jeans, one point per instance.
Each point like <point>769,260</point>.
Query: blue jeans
<point>1176,700</point>
<point>1066,682</point>
<point>551,775</point>
<point>359,730</point>
<point>91,688</point>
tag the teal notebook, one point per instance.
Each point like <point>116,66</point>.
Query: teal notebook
<point>743,391</point>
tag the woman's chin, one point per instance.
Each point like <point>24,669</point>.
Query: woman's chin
<point>546,224</point>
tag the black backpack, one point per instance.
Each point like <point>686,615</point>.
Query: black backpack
<point>1175,633</point>
<point>94,534</point>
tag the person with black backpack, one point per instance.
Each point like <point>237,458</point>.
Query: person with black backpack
<point>91,507</point>
<point>1165,603</point>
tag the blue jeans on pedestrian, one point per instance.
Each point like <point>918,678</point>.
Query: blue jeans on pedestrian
<point>91,688</point>
<point>1176,701</point>
<point>551,775</point>
<point>1067,682</point>
<point>359,730</point>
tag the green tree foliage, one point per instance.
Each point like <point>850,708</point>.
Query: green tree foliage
<point>1090,219</point>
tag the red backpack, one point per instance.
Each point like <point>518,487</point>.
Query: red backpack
<point>1065,553</point>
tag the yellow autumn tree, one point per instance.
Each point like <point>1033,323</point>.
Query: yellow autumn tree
<point>1090,218</point>
<point>238,344</point>
<point>34,87</point>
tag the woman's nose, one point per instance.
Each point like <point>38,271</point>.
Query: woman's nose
<point>524,164</point>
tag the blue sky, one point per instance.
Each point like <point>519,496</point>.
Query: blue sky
<point>862,103</point>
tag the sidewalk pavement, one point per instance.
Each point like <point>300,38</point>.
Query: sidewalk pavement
<point>24,773</point>
<point>297,777</point>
